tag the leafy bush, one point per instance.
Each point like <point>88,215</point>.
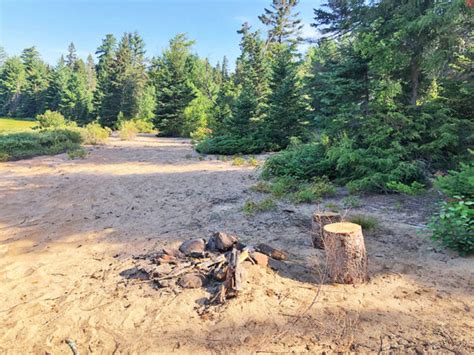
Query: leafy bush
<point>313,192</point>
<point>301,162</point>
<point>453,227</point>
<point>230,145</point>
<point>51,119</point>
<point>458,183</point>
<point>366,222</point>
<point>283,185</point>
<point>94,134</point>
<point>265,205</point>
<point>415,188</point>
<point>29,144</point>
<point>127,130</point>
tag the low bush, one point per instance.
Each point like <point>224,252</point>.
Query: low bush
<point>261,186</point>
<point>360,169</point>
<point>230,145</point>
<point>453,225</point>
<point>265,205</point>
<point>79,153</point>
<point>29,144</point>
<point>94,134</point>
<point>51,119</point>
<point>127,130</point>
<point>415,188</point>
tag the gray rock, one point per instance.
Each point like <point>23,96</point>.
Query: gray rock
<point>191,281</point>
<point>193,247</point>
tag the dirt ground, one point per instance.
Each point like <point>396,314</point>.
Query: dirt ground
<point>69,228</point>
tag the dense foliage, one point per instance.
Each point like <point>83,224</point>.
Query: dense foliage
<point>453,226</point>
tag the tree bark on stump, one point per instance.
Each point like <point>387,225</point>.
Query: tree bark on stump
<point>346,257</point>
<point>319,220</point>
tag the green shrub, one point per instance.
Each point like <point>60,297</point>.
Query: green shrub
<point>458,183</point>
<point>51,119</point>
<point>283,185</point>
<point>305,195</point>
<point>127,130</point>
<point>301,162</point>
<point>79,153</point>
<point>265,205</point>
<point>252,161</point>
<point>230,145</point>
<point>366,222</point>
<point>453,226</point>
<point>29,144</point>
<point>415,188</point>
<point>94,134</point>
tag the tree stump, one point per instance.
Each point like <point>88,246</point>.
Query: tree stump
<point>319,220</point>
<point>345,253</point>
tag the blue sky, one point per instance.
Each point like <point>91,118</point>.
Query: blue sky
<point>51,25</point>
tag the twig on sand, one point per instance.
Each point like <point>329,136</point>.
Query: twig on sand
<point>72,345</point>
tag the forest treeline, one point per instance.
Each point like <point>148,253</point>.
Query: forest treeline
<point>384,95</point>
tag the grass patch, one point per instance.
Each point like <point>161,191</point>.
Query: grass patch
<point>367,223</point>
<point>29,144</point>
<point>261,186</point>
<point>265,205</point>
<point>15,125</point>
<point>79,153</point>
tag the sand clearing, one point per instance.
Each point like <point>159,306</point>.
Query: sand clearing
<point>68,228</point>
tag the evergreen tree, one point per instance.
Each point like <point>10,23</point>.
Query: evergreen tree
<point>105,54</point>
<point>12,84</point>
<point>33,100</point>
<point>71,57</point>
<point>57,95</point>
<point>3,57</point>
<point>286,112</point>
<point>284,26</point>
<point>174,92</point>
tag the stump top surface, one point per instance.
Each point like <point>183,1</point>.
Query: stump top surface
<point>343,228</point>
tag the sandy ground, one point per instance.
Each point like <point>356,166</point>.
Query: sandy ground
<point>68,228</point>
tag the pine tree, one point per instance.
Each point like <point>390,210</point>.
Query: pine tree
<point>105,54</point>
<point>71,57</point>
<point>12,84</point>
<point>3,57</point>
<point>286,112</point>
<point>174,92</point>
<point>33,100</point>
<point>284,26</point>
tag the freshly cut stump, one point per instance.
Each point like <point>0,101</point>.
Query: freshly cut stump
<point>319,220</point>
<point>345,253</point>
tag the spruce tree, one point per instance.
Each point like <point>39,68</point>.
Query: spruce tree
<point>12,84</point>
<point>105,54</point>
<point>286,109</point>
<point>33,100</point>
<point>71,57</point>
<point>170,75</point>
<point>284,26</point>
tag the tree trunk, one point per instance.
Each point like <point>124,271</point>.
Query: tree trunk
<point>415,80</point>
<point>345,253</point>
<point>319,220</point>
